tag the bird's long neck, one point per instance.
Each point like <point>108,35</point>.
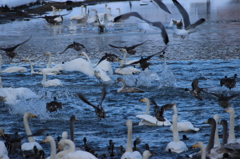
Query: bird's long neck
<point>216,138</point>
<point>81,10</point>
<point>26,126</point>
<point>70,144</point>
<point>129,139</point>
<point>175,129</point>
<point>231,129</point>
<point>123,85</point>
<point>53,148</point>
<point>110,11</point>
<point>84,54</point>
<point>31,66</point>
<point>72,130</point>
<point>210,144</point>
<point>44,78</point>
<point>225,129</point>
<point>147,106</point>
<point>49,61</point>
<point>124,56</point>
<point>203,151</point>
<point>119,12</point>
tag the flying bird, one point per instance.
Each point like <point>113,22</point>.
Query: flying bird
<point>144,61</point>
<point>98,109</point>
<point>108,57</point>
<point>195,90</point>
<point>129,49</point>
<point>54,19</point>
<point>155,24</point>
<point>10,50</point>
<point>76,46</point>
<point>188,27</point>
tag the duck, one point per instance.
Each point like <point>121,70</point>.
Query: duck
<point>53,82</point>
<point>150,120</point>
<point>195,90</point>
<point>229,82</point>
<point>125,89</point>
<point>70,153</point>
<point>129,153</point>
<point>176,145</point>
<point>188,27</point>
<point>98,109</point>
<point>31,142</point>
<point>10,50</point>
<point>81,17</point>
<point>53,105</point>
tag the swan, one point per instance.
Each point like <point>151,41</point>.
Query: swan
<point>50,139</point>
<point>150,120</point>
<point>72,27</point>
<point>80,18</point>
<point>54,82</point>
<point>103,17</point>
<point>53,10</point>
<point>176,145</point>
<point>72,120</point>
<point>94,18</point>
<point>231,137</point>
<point>3,151</point>
<point>48,70</point>
<point>14,69</point>
<point>129,153</point>
<point>109,16</point>
<point>119,11</point>
<point>70,153</point>
<point>185,126</point>
<point>31,66</point>
<point>202,148</point>
<point>216,138</point>
<point>124,89</point>
<point>31,142</point>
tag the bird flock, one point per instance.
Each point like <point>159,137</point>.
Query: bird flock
<point>12,145</point>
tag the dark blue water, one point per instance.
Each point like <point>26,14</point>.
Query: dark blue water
<point>208,54</point>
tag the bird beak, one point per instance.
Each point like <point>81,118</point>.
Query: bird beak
<point>24,60</point>
<point>33,116</point>
<point>44,141</point>
<point>226,110</point>
<point>205,122</point>
<point>2,134</point>
<point>117,59</point>
<point>47,53</point>
<point>142,100</point>
<point>121,50</point>
<point>194,146</point>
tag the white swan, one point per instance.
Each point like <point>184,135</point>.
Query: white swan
<point>103,17</point>
<point>94,18</point>
<point>50,139</point>
<point>231,137</point>
<point>129,153</point>
<point>150,120</point>
<point>176,145</point>
<point>81,17</point>
<point>3,149</point>
<point>70,153</point>
<point>48,70</point>
<point>216,138</point>
<point>54,82</point>
<point>185,126</point>
<point>31,142</point>
<point>109,16</point>
<point>31,66</point>
<point>202,148</point>
<point>14,69</point>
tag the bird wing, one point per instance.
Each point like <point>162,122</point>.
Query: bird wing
<point>198,22</point>
<point>134,46</point>
<point>162,6</point>
<point>155,105</point>
<point>183,12</point>
<point>233,96</point>
<point>103,58</point>
<point>103,96</point>
<point>115,46</point>
<point>195,84</point>
<point>168,106</point>
<point>14,47</point>
<point>68,47</point>
<point>85,100</point>
<point>164,32</point>
<point>128,15</point>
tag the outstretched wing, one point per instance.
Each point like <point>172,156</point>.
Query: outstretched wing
<point>183,12</point>
<point>115,46</point>
<point>134,46</point>
<point>162,6</point>
<point>198,22</point>
<point>68,47</point>
<point>168,106</point>
<point>128,15</point>
<point>80,96</point>
<point>164,32</point>
<point>103,96</point>
<point>14,47</point>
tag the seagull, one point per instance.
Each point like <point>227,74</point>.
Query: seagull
<point>129,49</point>
<point>98,109</point>
<point>195,90</point>
<point>76,46</point>
<point>10,50</point>
<point>188,27</point>
<point>155,24</point>
<point>144,61</point>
